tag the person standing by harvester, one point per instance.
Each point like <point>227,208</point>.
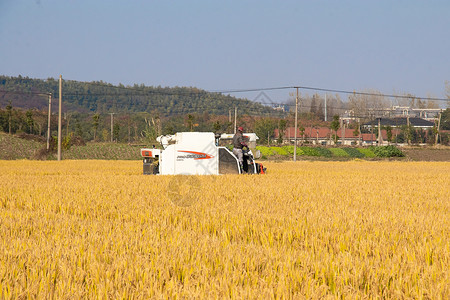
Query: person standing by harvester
<point>238,145</point>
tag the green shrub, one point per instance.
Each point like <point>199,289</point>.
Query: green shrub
<point>324,152</point>
<point>310,151</point>
<point>265,151</point>
<point>280,151</point>
<point>290,150</point>
<point>387,151</point>
<point>352,152</point>
<point>366,152</point>
<point>339,152</point>
<point>300,152</point>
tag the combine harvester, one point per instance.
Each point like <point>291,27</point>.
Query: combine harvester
<point>198,153</point>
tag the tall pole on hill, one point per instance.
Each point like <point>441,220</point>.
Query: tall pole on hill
<point>235,119</point>
<point>112,125</point>
<point>295,126</point>
<point>437,131</point>
<point>49,118</point>
<point>380,137</point>
<point>59,118</point>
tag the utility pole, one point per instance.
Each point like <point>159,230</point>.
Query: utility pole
<point>380,137</point>
<point>129,131</point>
<point>112,124</point>
<point>295,126</point>
<point>235,119</point>
<point>59,118</point>
<point>359,130</point>
<point>67,117</point>
<point>49,118</point>
<point>371,131</point>
<point>325,107</point>
<point>408,131</point>
<point>9,109</point>
<point>343,132</point>
<point>439,125</point>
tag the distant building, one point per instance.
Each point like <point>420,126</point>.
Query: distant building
<point>280,107</point>
<point>398,122</point>
<point>429,114</point>
<point>323,136</point>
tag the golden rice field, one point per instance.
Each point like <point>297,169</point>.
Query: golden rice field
<point>100,229</point>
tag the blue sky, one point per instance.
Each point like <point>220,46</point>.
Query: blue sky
<point>389,46</point>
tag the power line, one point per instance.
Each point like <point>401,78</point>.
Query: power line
<point>25,93</point>
<point>199,93</point>
<point>254,111</point>
<point>373,94</point>
<point>232,91</point>
<point>252,90</point>
<point>329,90</point>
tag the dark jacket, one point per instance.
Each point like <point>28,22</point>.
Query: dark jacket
<point>238,140</point>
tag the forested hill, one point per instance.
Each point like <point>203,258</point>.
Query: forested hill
<point>101,97</point>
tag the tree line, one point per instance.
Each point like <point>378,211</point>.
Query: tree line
<point>141,113</point>
<point>144,127</point>
<point>100,97</point>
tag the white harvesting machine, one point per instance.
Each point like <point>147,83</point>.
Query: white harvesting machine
<point>198,153</point>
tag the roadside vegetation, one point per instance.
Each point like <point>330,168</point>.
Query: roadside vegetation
<point>320,152</point>
<point>25,146</point>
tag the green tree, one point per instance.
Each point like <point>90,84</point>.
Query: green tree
<point>408,133</point>
<point>105,135</point>
<point>301,129</point>
<point>116,131</point>
<point>445,119</point>
<point>79,130</point>
<point>356,131</point>
<point>9,113</point>
<point>150,131</point>
<point>190,122</point>
<point>229,125</point>
<point>264,129</point>
<point>335,125</point>
<point>29,120</point>
<point>282,124</point>
<point>389,133</point>
<point>217,126</point>
<point>96,121</point>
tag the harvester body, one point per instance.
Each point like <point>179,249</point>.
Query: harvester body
<point>195,153</point>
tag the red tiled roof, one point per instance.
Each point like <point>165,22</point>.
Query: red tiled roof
<point>314,132</point>
<point>325,133</point>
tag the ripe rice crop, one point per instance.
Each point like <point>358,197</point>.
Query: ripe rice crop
<point>100,229</point>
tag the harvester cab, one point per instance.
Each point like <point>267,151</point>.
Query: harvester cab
<point>197,153</point>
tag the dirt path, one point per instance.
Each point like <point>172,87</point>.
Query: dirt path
<point>427,154</point>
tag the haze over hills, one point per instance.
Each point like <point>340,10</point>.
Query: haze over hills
<point>102,97</point>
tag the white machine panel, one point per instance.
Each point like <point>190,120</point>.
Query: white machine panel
<point>194,153</point>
